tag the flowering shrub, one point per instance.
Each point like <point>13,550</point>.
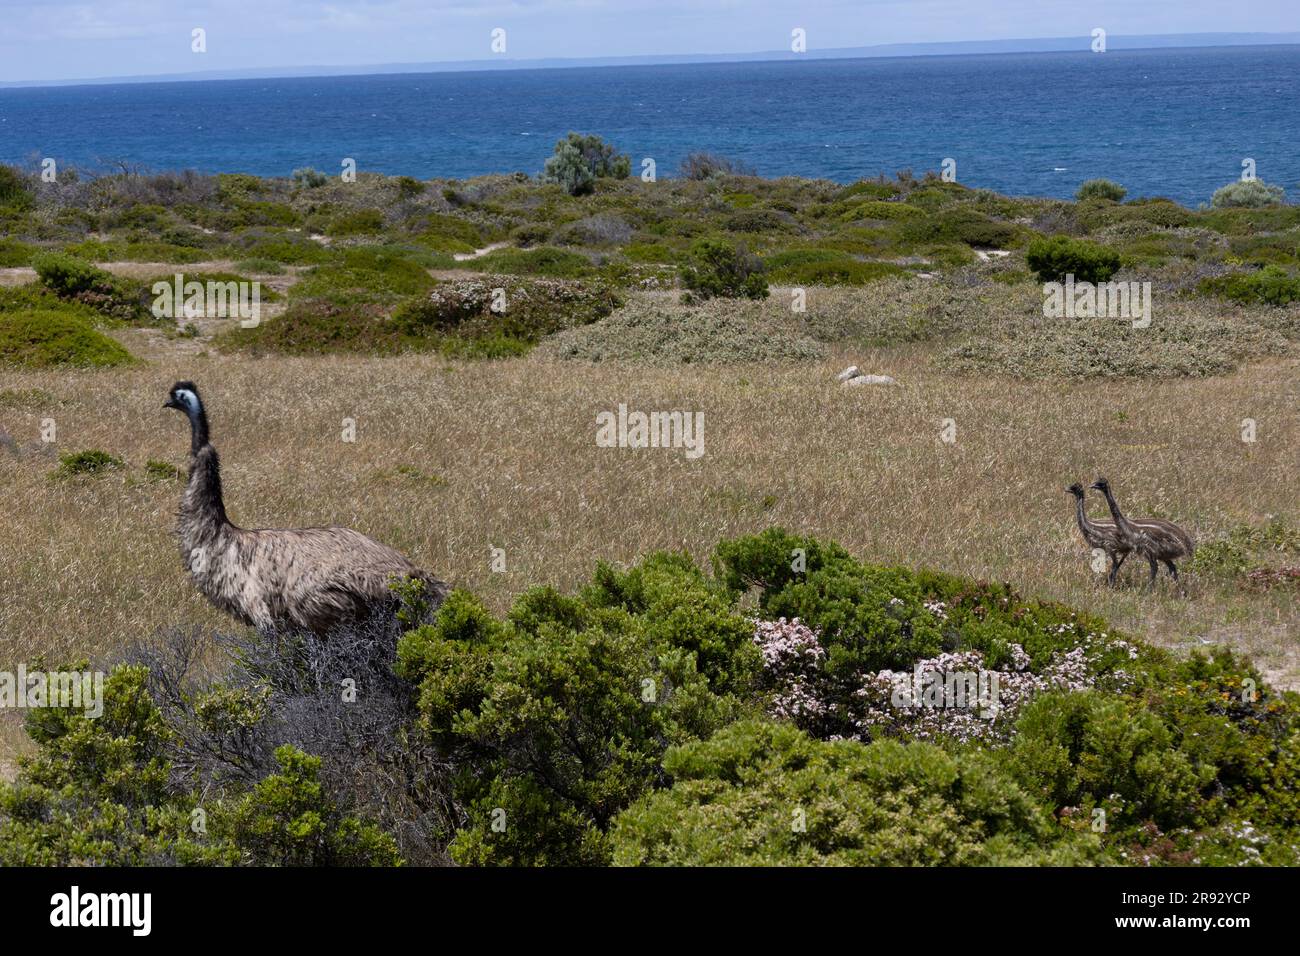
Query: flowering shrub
<point>954,695</point>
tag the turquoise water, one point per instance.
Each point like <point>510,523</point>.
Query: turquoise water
<point>1175,123</point>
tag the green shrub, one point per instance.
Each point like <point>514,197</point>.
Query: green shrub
<point>260,267</point>
<point>1088,751</point>
<point>1052,259</point>
<point>825,267</point>
<point>539,261</point>
<point>860,210</point>
<point>869,189</point>
<point>449,233</point>
<point>580,160</point>
<point>357,222</point>
<point>1101,189</point>
<point>286,820</point>
<point>14,191</point>
<point>83,463</point>
<point>1247,194</point>
<point>767,795</point>
<point>51,338</point>
<point>408,188</point>
<point>756,220</point>
<point>1153,214</point>
<point>99,792</point>
<point>14,253</point>
<point>308,178</point>
<point>562,711</point>
<point>161,470</point>
<point>76,280</point>
<point>1271,285</point>
<point>958,225</point>
<point>717,268</point>
<point>466,314</point>
<point>364,274</point>
<point>66,275</point>
<point>287,248</point>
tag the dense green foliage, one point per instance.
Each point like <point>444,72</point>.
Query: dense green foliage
<point>1248,194</point>
<point>50,338</point>
<point>580,160</point>
<point>642,721</point>
<point>562,711</point>
<point>77,280</point>
<point>720,269</point>
<point>1051,260</point>
<point>1101,189</point>
<point>100,792</point>
<point>1271,285</point>
<point>767,794</point>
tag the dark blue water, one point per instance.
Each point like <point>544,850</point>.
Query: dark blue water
<point>1162,122</point>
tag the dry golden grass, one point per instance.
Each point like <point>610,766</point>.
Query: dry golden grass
<point>89,565</point>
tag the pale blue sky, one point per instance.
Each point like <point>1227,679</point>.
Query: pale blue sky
<point>59,39</point>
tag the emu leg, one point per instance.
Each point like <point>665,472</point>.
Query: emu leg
<point>1115,564</point>
<point>1173,571</point>
<point>1155,569</point>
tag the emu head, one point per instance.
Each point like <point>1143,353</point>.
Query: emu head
<point>1101,484</point>
<point>1076,489</point>
<point>184,397</point>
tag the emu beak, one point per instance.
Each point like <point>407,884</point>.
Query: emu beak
<point>170,404</point>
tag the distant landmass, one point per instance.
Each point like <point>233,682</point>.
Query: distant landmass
<point>955,48</point>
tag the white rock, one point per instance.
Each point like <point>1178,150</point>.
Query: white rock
<point>847,374</point>
<point>870,380</point>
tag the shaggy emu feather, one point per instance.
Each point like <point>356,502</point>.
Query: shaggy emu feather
<point>1100,534</point>
<point>309,579</point>
<point>1151,538</point>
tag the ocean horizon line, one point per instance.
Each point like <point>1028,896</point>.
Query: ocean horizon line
<point>909,50</point>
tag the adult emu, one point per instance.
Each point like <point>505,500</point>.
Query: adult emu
<point>312,579</point>
<point>1151,538</point>
<point>1100,534</point>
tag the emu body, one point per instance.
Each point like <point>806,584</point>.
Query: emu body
<point>1152,538</point>
<point>313,579</point>
<point>1100,534</point>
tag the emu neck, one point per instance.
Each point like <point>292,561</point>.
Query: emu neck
<point>1121,523</point>
<point>1081,515</point>
<point>203,512</point>
<point>198,431</point>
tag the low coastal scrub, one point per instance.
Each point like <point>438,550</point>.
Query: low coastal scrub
<point>1101,189</point>
<point>375,312</point>
<point>50,338</point>
<point>1184,340</point>
<point>1052,260</point>
<point>1248,194</point>
<point>720,269</point>
<point>661,332</point>
<point>1271,285</point>
<point>354,255</point>
<point>77,280</point>
<point>665,715</point>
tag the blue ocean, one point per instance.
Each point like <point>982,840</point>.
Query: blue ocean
<point>1169,122</point>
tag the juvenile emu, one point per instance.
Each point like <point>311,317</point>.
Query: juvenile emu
<point>1153,539</point>
<point>1100,534</point>
<point>313,579</point>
